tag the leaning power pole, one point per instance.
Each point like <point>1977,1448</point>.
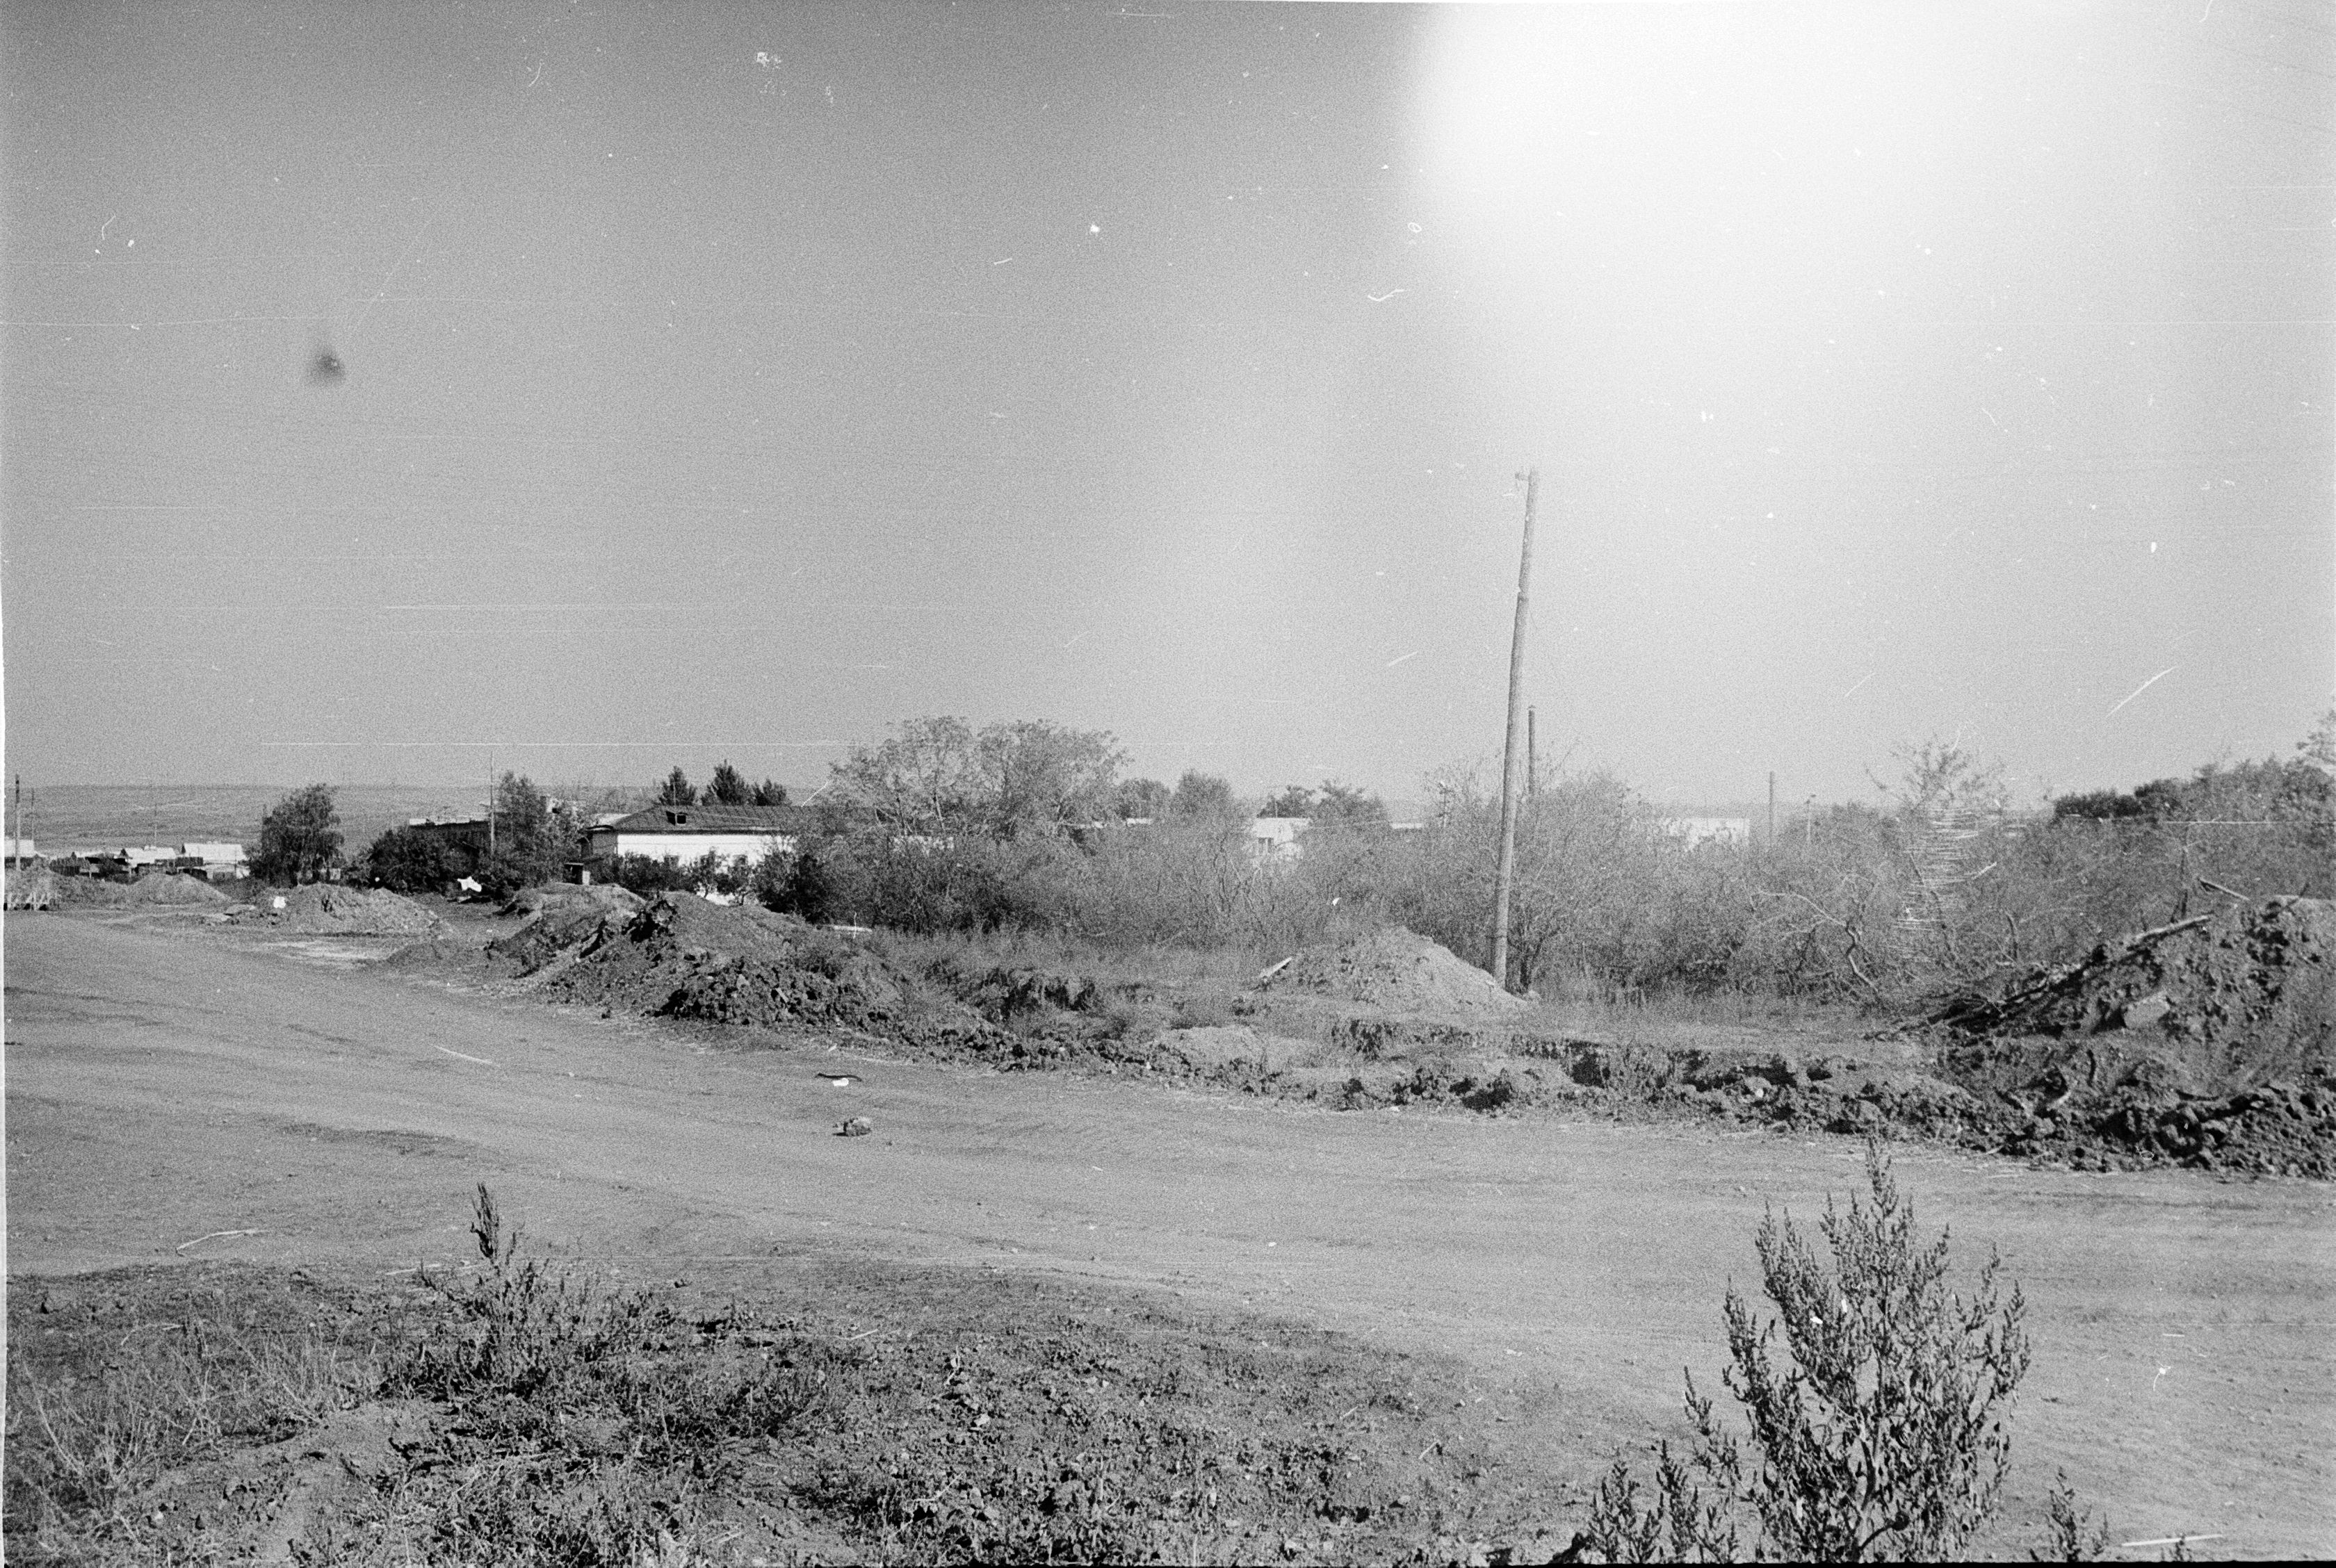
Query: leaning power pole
<point>1509,758</point>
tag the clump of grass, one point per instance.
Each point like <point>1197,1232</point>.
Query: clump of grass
<point>82,1451</point>
<point>586,1424</point>
<point>1881,1437</point>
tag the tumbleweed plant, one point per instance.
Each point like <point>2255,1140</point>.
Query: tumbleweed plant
<point>1875,1399</point>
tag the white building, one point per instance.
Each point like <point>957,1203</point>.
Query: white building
<point>222,861</point>
<point>682,834</point>
<point>1276,837</point>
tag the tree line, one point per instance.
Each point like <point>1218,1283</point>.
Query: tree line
<point>1934,885</point>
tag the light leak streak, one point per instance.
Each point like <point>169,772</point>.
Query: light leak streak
<point>2138,691</point>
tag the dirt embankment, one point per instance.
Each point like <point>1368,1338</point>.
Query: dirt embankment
<point>2210,1043</point>
<point>682,957</point>
<point>326,909</point>
<point>165,888</point>
<point>2206,1044</point>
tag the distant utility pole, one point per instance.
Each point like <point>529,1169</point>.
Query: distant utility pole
<point>1509,758</point>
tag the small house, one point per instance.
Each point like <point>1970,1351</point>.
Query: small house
<point>1274,838</point>
<point>682,834</point>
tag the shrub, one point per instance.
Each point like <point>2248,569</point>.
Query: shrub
<point>1881,1438</point>
<point>649,876</point>
<point>588,1425</point>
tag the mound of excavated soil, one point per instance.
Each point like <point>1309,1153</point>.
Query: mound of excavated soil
<point>170,888</point>
<point>2211,1042</point>
<point>2239,996</point>
<point>174,889</point>
<point>324,908</point>
<point>599,895</point>
<point>683,957</point>
<point>1400,971</point>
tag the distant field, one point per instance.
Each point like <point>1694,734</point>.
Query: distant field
<point>66,815</point>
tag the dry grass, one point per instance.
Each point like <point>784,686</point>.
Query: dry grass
<point>86,1446</point>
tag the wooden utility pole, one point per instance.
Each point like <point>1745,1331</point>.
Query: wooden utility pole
<point>1508,862</point>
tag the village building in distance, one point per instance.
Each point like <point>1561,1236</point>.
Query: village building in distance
<point>683,834</point>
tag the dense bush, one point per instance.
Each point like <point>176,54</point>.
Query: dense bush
<point>650,876</point>
<point>405,861</point>
<point>1936,888</point>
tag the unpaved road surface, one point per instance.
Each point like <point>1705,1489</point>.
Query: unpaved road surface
<point>166,1085</point>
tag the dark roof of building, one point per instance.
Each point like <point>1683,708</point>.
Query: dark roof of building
<point>788,820</point>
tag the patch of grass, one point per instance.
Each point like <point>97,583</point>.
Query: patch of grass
<point>523,1412</point>
<point>583,1423</point>
<point>111,1389</point>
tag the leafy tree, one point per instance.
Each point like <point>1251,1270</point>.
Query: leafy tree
<point>2320,747</point>
<point>729,787</point>
<point>1340,803</point>
<point>299,838</point>
<point>1145,798</point>
<point>940,777</point>
<point>1042,776</point>
<point>677,790</point>
<point>1295,800</point>
<point>1199,794</point>
<point>766,793</point>
<point>532,843</point>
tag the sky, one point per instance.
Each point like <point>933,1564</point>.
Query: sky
<point>735,380</point>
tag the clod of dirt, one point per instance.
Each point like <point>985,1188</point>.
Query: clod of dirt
<point>857,1126</point>
<point>323,907</point>
<point>683,957</point>
<point>1397,969</point>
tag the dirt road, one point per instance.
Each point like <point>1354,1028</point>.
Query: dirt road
<point>167,1087</point>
